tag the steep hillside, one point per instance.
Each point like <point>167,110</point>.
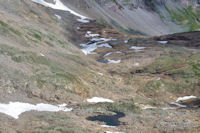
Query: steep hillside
<point>150,17</point>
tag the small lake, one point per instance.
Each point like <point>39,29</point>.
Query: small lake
<point>110,120</point>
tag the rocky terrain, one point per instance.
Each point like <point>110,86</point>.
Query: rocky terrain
<point>146,17</point>
<point>93,66</point>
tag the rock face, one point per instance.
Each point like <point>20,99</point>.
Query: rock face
<point>149,17</point>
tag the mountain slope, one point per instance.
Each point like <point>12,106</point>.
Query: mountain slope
<point>154,17</point>
<point>99,78</point>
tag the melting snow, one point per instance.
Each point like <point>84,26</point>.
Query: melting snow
<point>58,17</point>
<point>181,105</point>
<point>177,104</point>
<point>126,41</point>
<point>107,126</point>
<point>107,54</point>
<point>137,48</point>
<point>185,98</point>
<point>14,109</point>
<point>100,73</point>
<point>42,54</point>
<point>104,45</point>
<point>102,39</point>
<point>99,100</point>
<point>88,49</point>
<point>59,6</point>
<point>92,45</point>
<point>83,20</point>
<point>114,61</point>
<point>89,34</point>
<point>137,64</point>
<point>163,42</point>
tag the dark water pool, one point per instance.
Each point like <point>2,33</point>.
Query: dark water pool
<point>102,61</point>
<point>110,120</point>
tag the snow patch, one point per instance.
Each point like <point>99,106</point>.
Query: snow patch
<point>99,100</point>
<point>92,45</point>
<point>88,49</point>
<point>42,54</point>
<point>14,109</point>
<point>163,42</point>
<point>137,64</point>
<point>107,126</point>
<point>100,73</point>
<point>107,54</point>
<point>114,61</point>
<point>83,20</point>
<point>58,17</point>
<point>137,49</point>
<point>59,6</point>
<point>179,105</point>
<point>126,41</point>
<point>185,98</point>
<point>104,45</point>
<point>89,34</point>
<point>103,39</point>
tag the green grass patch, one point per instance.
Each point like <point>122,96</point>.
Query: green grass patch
<point>37,35</point>
<point>126,106</point>
<point>196,69</point>
<point>182,74</point>
<point>6,29</point>
<point>57,75</point>
<point>166,64</point>
<point>153,85</point>
<point>188,18</point>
